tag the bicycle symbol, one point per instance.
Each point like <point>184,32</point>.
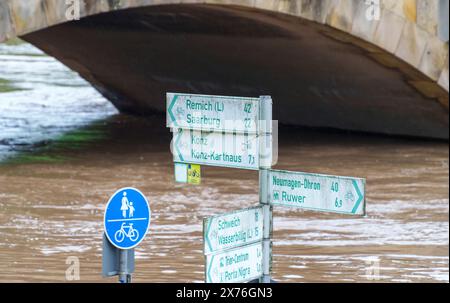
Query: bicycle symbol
<point>349,197</point>
<point>195,174</point>
<point>180,112</point>
<point>132,233</point>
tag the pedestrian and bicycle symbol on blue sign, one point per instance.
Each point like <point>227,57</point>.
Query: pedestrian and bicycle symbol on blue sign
<point>127,218</point>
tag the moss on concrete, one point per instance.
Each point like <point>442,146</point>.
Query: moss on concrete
<point>6,86</point>
<point>31,158</point>
<point>14,41</point>
<point>59,150</point>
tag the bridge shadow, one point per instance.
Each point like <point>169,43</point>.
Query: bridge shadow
<point>317,76</point>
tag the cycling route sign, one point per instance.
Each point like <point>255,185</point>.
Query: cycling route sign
<point>127,218</point>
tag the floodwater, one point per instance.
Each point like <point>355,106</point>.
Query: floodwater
<point>65,150</point>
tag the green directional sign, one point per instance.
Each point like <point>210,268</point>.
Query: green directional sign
<point>233,266</point>
<point>344,195</point>
<point>216,149</point>
<point>233,229</point>
<point>212,113</point>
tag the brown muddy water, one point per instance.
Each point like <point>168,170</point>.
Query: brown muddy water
<point>52,202</point>
<point>64,151</point>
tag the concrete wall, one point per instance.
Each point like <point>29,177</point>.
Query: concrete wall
<point>407,28</point>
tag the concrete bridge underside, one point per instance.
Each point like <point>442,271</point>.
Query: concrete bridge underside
<point>318,76</point>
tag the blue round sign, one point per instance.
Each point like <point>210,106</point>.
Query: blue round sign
<point>127,218</point>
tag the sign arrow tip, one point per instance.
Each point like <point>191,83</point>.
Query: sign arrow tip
<point>360,196</point>
<point>172,104</point>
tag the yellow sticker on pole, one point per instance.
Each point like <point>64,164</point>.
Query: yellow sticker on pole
<point>194,175</point>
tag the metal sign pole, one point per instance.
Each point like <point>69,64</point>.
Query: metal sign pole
<point>265,152</point>
<point>124,277</point>
<point>267,224</point>
<point>112,264</point>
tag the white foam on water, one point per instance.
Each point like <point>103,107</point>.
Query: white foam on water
<point>168,271</point>
<point>75,249</point>
<point>51,99</point>
<point>293,277</point>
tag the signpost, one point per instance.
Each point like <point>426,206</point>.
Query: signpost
<point>126,223</point>
<point>237,132</point>
<point>317,192</point>
<point>212,113</point>
<point>233,132</point>
<point>232,230</point>
<point>233,246</point>
<point>111,257</point>
<point>216,149</point>
<point>238,265</point>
